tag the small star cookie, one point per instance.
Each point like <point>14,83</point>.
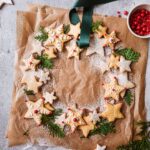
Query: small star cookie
<point>37,47</point>
<point>74,51</point>
<point>96,46</point>
<point>49,97</point>
<point>88,127</point>
<point>124,64</point>
<point>101,31</point>
<point>43,75</point>
<point>50,52</point>
<point>60,120</point>
<point>75,30</point>
<point>111,40</point>
<point>113,89</point>
<point>94,116</point>
<point>74,119</point>
<point>114,62</point>
<point>98,147</point>
<point>104,66</point>
<point>57,38</point>
<point>30,63</point>
<point>112,112</point>
<point>35,109</point>
<point>31,82</point>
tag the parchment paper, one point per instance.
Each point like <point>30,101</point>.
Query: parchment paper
<point>73,80</point>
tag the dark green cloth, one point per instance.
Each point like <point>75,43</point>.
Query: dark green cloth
<point>86,24</point>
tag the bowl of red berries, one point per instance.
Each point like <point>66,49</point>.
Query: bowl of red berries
<point>138,21</point>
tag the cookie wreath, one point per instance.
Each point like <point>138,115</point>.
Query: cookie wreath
<point>113,64</point>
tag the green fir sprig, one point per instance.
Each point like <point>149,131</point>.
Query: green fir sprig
<point>48,122</point>
<point>66,28</point>
<point>42,36</point>
<point>144,143</point>
<point>128,97</point>
<point>28,92</point>
<point>103,127</point>
<point>45,62</point>
<point>128,54</point>
<point>95,26</point>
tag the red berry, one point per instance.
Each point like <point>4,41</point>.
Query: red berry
<point>142,15</point>
<point>118,12</point>
<point>125,12</point>
<point>144,29</point>
<point>75,119</point>
<point>35,111</point>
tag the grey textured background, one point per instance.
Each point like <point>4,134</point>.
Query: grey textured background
<point>7,51</point>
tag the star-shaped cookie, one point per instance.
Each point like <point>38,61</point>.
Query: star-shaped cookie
<point>112,112</point>
<point>35,110</point>
<point>74,51</point>
<point>111,40</point>
<point>37,47</point>
<point>113,90</point>
<point>104,65</point>
<point>101,31</point>
<point>124,64</point>
<point>50,52</point>
<point>113,62</point>
<point>60,120</point>
<point>49,97</point>
<point>75,30</point>
<point>94,116</point>
<point>30,80</point>
<point>57,38</point>
<point>96,46</point>
<point>88,127</point>
<point>74,119</point>
<point>98,147</point>
<point>43,75</point>
<point>30,63</point>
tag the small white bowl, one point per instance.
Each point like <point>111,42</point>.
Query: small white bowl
<point>147,7</point>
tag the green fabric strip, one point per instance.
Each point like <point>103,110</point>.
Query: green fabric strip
<point>86,19</point>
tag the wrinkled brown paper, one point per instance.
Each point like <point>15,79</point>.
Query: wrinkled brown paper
<point>74,80</point>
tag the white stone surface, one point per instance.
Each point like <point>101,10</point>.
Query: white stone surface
<point>8,47</point>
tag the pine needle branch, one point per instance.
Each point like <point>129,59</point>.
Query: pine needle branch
<point>95,25</point>
<point>128,97</point>
<point>66,28</point>
<point>128,54</point>
<point>103,127</point>
<point>42,36</point>
<point>45,62</point>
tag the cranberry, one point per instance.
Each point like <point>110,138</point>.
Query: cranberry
<point>125,12</point>
<point>35,111</point>
<point>118,12</point>
<point>75,119</point>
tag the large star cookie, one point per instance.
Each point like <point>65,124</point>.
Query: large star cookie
<point>35,110</point>
<point>96,46</point>
<point>101,31</point>
<point>75,30</point>
<point>57,38</point>
<point>124,64</point>
<point>88,127</point>
<point>113,90</point>
<point>111,40</point>
<point>30,63</point>
<point>73,51</point>
<point>112,112</point>
<point>74,119</point>
<point>98,147</point>
<point>113,62</point>
<point>30,80</point>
